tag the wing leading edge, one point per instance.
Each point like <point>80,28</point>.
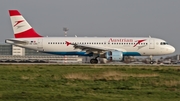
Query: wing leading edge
<point>90,48</point>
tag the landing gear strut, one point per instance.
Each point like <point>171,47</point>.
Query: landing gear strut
<point>151,60</point>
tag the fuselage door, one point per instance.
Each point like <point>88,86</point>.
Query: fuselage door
<point>151,43</point>
<point>40,44</point>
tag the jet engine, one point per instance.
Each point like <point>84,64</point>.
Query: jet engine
<point>114,55</point>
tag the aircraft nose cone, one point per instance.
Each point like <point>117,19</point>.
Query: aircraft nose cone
<point>172,49</point>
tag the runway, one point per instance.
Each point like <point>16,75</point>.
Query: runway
<point>4,63</point>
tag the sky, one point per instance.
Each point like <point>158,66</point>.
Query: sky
<point>110,18</point>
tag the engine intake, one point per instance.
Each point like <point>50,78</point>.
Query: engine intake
<point>114,55</point>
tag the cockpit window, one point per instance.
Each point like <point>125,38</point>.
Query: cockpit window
<point>164,43</point>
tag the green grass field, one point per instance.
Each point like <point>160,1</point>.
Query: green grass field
<point>89,83</point>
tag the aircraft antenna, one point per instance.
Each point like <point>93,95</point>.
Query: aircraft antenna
<point>65,29</point>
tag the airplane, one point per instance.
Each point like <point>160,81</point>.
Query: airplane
<point>101,49</point>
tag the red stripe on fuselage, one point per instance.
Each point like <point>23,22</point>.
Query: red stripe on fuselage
<point>14,13</point>
<point>27,34</point>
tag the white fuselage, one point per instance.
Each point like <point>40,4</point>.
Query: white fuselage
<point>130,46</point>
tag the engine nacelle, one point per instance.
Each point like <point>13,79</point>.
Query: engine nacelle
<point>114,55</point>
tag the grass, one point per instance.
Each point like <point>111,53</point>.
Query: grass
<point>89,83</point>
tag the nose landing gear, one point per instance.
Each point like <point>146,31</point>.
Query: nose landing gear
<point>151,60</point>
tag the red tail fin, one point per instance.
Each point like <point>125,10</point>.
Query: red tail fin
<point>21,27</point>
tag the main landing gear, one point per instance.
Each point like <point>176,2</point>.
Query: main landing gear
<point>94,60</point>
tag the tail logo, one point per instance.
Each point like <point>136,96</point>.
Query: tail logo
<point>18,22</point>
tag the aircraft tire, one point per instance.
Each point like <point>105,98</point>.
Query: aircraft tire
<point>93,61</point>
<point>151,62</point>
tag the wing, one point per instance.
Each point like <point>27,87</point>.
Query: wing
<point>90,48</point>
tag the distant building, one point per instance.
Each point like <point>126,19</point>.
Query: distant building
<point>15,53</point>
<point>18,51</point>
<point>6,49</point>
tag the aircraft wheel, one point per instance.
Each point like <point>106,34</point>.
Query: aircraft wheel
<point>93,61</point>
<point>151,62</point>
